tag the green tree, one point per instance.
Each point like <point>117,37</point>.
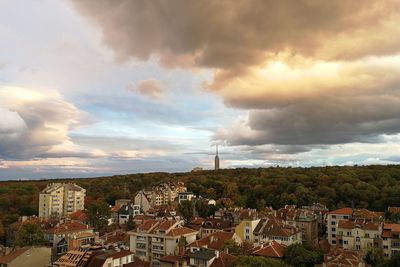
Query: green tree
<point>186,208</point>
<point>393,262</point>
<point>204,210</point>
<point>300,256</point>
<point>30,235</point>
<point>98,213</point>
<point>374,256</point>
<point>251,261</point>
<point>231,246</point>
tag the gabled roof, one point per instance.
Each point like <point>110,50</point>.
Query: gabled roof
<point>342,211</point>
<point>70,226</point>
<point>224,260</point>
<point>213,241</point>
<point>147,225</point>
<point>181,231</point>
<point>204,254</point>
<point>343,258</point>
<point>358,223</point>
<point>271,249</point>
<point>273,227</point>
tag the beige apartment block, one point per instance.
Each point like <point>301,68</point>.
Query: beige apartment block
<point>60,199</point>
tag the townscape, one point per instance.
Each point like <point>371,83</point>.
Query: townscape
<point>167,225</point>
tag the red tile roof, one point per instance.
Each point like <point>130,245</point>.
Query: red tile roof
<point>272,249</point>
<point>72,226</point>
<point>181,231</point>
<point>224,260</point>
<point>213,241</point>
<point>342,211</point>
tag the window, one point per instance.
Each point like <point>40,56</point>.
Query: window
<point>367,235</point>
<point>333,223</point>
<point>333,216</point>
<point>345,242</point>
<point>247,231</point>
<point>385,247</point>
<point>333,241</point>
<point>333,229</point>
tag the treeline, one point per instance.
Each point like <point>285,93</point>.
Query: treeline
<point>373,187</point>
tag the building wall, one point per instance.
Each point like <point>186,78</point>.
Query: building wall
<point>245,230</point>
<point>332,225</point>
<point>60,199</point>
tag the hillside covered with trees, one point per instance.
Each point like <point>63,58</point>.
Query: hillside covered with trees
<point>373,187</point>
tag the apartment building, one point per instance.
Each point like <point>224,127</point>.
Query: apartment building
<point>245,229</point>
<point>154,239</point>
<point>69,235</point>
<point>390,239</point>
<point>61,199</point>
<point>333,219</point>
<point>358,234</point>
<point>346,214</point>
<point>269,229</point>
<point>305,220</point>
<point>159,195</point>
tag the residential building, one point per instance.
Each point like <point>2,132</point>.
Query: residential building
<point>158,195</point>
<point>358,234</point>
<point>270,249</point>
<point>154,239</point>
<point>305,220</point>
<point>343,258</point>
<point>245,229</point>
<point>216,240</point>
<point>61,199</point>
<point>202,257</point>
<point>27,256</point>
<point>269,229</point>
<point>185,196</point>
<point>333,219</point>
<point>111,258</point>
<point>69,235</point>
<point>390,239</point>
<point>213,225</point>
<point>126,211</point>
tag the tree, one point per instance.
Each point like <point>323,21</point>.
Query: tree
<point>393,262</point>
<point>231,246</point>
<point>374,256</point>
<point>299,256</point>
<point>186,208</point>
<point>251,261</point>
<point>130,224</point>
<point>204,210</point>
<point>30,235</point>
<point>98,213</point>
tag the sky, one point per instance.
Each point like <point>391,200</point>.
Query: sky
<point>101,87</point>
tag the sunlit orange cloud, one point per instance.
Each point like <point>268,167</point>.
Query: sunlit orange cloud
<point>276,83</point>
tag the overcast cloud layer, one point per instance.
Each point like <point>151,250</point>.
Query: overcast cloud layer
<point>128,86</point>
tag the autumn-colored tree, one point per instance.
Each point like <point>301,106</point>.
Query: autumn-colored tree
<point>30,235</point>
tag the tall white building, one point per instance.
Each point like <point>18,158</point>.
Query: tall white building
<point>61,199</point>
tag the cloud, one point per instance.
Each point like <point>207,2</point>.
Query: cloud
<point>150,89</point>
<point>308,72</point>
<point>226,34</point>
<point>33,123</point>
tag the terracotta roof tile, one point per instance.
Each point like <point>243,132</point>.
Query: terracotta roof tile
<point>342,211</point>
<point>272,249</point>
<point>181,231</point>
